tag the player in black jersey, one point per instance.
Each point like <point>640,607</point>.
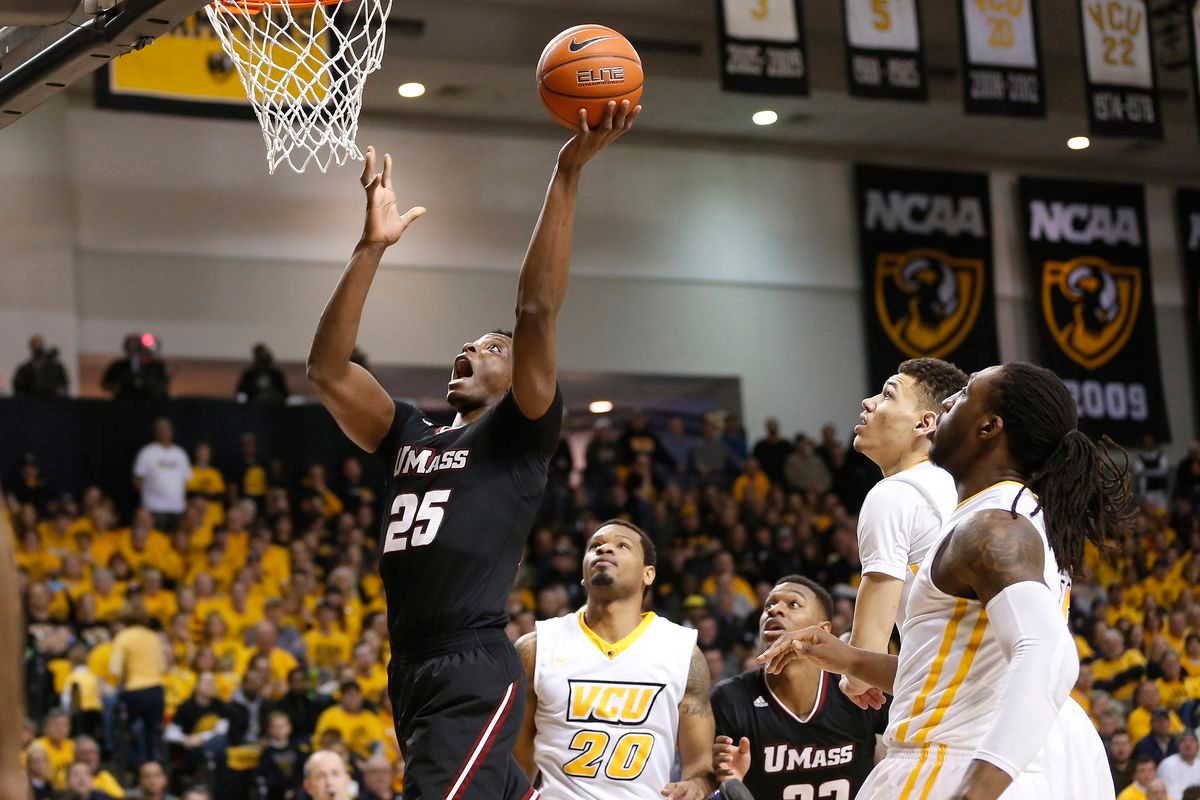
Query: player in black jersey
<point>792,736</point>
<point>460,499</point>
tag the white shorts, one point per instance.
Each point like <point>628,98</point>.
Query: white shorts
<point>1074,760</point>
<point>933,772</point>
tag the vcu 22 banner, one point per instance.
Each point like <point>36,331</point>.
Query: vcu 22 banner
<point>762,46</point>
<point>1086,244</point>
<point>1189,227</point>
<point>1118,58</point>
<point>926,248</point>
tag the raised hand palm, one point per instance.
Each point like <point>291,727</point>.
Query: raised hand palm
<point>384,222</point>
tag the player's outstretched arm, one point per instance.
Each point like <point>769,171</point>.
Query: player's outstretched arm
<point>523,749</point>
<point>1000,560</point>
<point>13,782</point>
<point>697,729</point>
<point>833,655</point>
<point>874,617</point>
<point>543,283</point>
<point>360,405</point>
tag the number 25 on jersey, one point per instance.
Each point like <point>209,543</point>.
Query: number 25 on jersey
<point>415,520</point>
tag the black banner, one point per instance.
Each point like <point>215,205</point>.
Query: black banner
<point>1118,67</point>
<point>1189,229</point>
<point>1090,263</point>
<point>762,46</point>
<point>1194,35</point>
<point>1002,58</point>
<point>926,247</point>
<point>884,55</point>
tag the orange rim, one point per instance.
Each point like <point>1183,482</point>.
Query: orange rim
<point>255,6</point>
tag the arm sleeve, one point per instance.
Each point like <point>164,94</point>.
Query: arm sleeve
<point>386,452</point>
<point>1042,668</point>
<point>885,530</point>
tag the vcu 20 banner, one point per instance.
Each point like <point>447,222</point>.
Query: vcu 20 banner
<point>1086,244</point>
<point>1189,227</point>
<point>926,247</point>
<point>762,46</point>
<point>1002,58</point>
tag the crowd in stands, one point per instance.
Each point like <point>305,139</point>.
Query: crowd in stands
<point>236,620</point>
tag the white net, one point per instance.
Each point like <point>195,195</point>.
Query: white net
<point>304,66</point>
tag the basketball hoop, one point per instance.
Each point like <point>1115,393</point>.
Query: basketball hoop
<point>304,64</point>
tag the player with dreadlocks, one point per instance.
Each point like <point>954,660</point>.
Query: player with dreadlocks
<point>986,661</point>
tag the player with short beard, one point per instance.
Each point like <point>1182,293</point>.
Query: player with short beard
<point>615,692</point>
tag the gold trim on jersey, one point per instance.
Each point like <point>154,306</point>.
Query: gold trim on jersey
<point>613,649</point>
<point>960,675</point>
<point>935,672</point>
<point>931,781</point>
<point>988,489</point>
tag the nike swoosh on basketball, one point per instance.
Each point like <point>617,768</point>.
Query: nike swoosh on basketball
<point>575,46</point>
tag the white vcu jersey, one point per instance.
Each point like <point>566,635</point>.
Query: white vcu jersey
<point>901,518</point>
<point>608,713</point>
<point>951,671</point>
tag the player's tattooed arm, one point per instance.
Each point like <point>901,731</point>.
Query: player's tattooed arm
<point>697,729</point>
<point>523,749</point>
<point>987,553</point>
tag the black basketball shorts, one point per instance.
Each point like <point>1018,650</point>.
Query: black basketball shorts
<point>458,702</point>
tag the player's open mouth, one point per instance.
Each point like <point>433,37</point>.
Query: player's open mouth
<point>773,626</point>
<point>462,368</point>
<point>862,423</point>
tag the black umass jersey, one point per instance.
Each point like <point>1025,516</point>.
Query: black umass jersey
<point>826,757</point>
<point>460,503</point>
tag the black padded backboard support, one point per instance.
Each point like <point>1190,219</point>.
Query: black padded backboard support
<point>37,63</point>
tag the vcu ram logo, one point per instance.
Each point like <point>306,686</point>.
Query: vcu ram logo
<point>616,703</point>
<point>1090,307</point>
<point>927,301</point>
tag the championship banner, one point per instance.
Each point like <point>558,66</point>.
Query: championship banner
<point>186,71</point>
<point>926,247</point>
<point>1118,57</point>
<point>1002,71</point>
<point>1189,228</point>
<point>762,46</point>
<point>884,59</point>
<point>1088,254</point>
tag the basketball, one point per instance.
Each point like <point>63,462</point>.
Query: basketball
<point>585,67</point>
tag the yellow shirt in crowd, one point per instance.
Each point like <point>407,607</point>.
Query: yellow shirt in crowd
<point>328,651</point>
<point>61,758</point>
<point>137,658</point>
<point>359,731</point>
<point>1138,724</point>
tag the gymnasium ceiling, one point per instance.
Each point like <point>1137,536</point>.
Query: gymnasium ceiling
<point>477,57</point>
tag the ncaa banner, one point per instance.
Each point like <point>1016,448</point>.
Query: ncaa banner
<point>762,46</point>
<point>1118,57</point>
<point>926,247</point>
<point>1001,52</point>
<point>884,58</point>
<point>1189,227</point>
<point>1090,262</point>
